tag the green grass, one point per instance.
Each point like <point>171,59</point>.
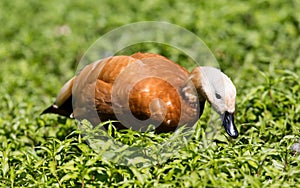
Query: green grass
<point>257,44</point>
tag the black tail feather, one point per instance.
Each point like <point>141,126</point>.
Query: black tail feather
<point>56,110</point>
<point>65,109</point>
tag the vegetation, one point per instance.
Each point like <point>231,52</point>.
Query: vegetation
<point>257,44</point>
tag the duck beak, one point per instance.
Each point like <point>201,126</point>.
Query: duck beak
<point>228,123</point>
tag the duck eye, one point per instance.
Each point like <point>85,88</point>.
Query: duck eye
<point>218,96</point>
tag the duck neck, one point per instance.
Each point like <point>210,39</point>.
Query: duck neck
<point>199,88</point>
<point>193,94</point>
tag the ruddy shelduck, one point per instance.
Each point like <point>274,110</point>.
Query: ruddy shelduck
<point>144,89</point>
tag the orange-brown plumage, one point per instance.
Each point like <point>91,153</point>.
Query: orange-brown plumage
<point>137,90</point>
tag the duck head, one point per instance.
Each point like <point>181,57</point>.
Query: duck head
<point>217,88</point>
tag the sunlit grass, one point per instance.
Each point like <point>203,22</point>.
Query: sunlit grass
<point>256,43</point>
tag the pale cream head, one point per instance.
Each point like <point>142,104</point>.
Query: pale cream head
<point>216,87</point>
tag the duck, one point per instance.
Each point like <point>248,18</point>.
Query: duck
<point>143,89</point>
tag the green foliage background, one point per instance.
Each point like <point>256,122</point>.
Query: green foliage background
<point>257,44</point>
